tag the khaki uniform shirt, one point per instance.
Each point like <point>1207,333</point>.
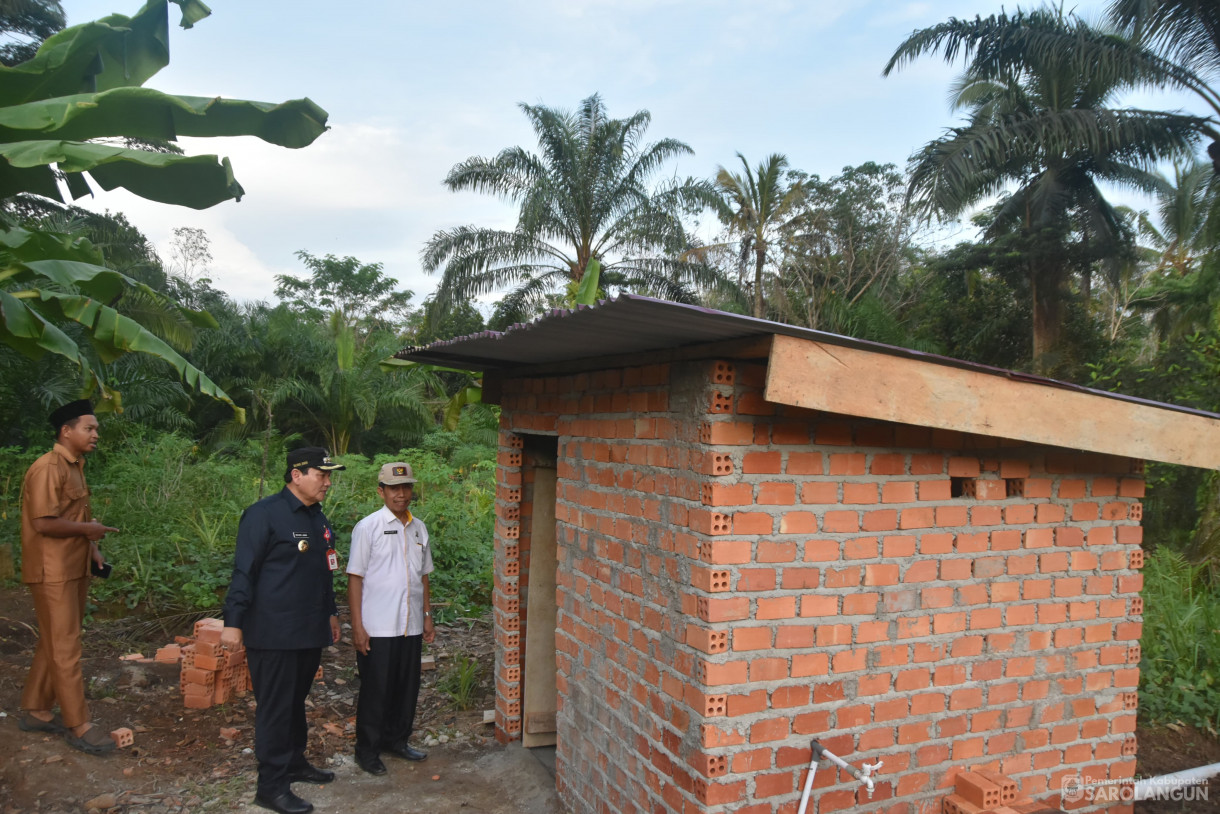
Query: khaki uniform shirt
<point>54,486</point>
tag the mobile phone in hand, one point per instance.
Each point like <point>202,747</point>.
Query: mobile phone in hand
<point>103,572</point>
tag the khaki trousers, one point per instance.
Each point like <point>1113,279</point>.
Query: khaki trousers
<point>55,675</point>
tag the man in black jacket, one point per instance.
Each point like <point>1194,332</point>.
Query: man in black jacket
<point>281,603</point>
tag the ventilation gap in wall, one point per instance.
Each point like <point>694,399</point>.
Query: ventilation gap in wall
<point>961,487</point>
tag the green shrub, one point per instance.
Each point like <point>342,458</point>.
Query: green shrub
<point>1180,664</point>
<point>459,682</point>
<point>177,508</point>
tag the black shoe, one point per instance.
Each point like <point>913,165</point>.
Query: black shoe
<point>285,803</point>
<point>310,774</point>
<point>407,752</point>
<point>372,765</point>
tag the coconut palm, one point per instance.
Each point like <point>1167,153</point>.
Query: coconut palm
<point>1041,124</point>
<point>1182,281</point>
<point>760,203</point>
<point>584,196</point>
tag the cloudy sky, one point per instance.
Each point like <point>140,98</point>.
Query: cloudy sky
<point>414,87</point>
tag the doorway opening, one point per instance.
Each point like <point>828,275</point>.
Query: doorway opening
<point>539,556</point>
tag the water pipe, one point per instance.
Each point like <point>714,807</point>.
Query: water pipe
<point>1146,788</point>
<point>864,774</point>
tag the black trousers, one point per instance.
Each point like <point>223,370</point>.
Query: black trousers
<point>282,679</point>
<point>389,690</point>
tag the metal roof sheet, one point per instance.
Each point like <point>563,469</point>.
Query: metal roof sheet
<point>631,323</point>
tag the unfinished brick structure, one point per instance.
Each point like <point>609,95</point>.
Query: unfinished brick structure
<point>735,572</point>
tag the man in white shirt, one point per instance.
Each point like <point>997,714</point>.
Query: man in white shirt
<point>391,611</point>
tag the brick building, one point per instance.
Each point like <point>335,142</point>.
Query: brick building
<point>719,537</point>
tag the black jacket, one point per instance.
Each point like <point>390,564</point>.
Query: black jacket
<point>280,596</point>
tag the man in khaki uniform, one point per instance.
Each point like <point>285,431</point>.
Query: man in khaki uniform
<point>58,539</point>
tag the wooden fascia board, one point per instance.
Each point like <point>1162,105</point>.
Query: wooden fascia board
<point>836,379</point>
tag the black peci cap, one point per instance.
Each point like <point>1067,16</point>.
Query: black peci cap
<point>71,410</point>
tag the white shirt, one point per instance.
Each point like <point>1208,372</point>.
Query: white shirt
<point>392,558</point>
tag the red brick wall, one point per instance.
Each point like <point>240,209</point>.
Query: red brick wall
<point>737,577</point>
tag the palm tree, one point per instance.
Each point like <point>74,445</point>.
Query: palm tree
<point>1182,283</point>
<point>1040,121</point>
<point>1186,32</point>
<point>759,205</point>
<point>585,196</point>
<point>25,24</point>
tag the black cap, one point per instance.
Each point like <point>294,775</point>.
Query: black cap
<point>312,458</point>
<point>71,410</point>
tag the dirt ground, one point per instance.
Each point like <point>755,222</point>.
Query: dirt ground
<point>181,761</point>
<point>1173,749</point>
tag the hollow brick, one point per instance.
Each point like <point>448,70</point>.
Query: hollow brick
<point>723,494</point>
<point>840,521</point>
<point>880,520</point>
<point>819,493</point>
<point>752,523</point>
<point>916,518</point>
<point>847,463</point>
<point>804,463</point>
<point>761,463</point>
<point>960,467</point>
<point>849,661</point>
<point>776,494</point>
<point>860,604</point>
<point>798,523</point>
<point>985,515</point>
<point>859,493</point>
<point>1131,487</point>
<point>898,492</point>
<point>756,579</point>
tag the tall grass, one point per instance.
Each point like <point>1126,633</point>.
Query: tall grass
<point>178,506</point>
<point>1180,646</point>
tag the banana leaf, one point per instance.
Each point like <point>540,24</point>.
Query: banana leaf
<point>104,284</point>
<point>25,245</point>
<point>145,113</point>
<point>197,181</point>
<point>25,328</point>
<point>49,278</point>
<point>113,52</point>
<point>453,408</point>
<point>586,292</point>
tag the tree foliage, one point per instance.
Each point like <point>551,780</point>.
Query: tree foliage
<point>24,24</point>
<point>586,195</point>
<point>1040,123</point>
<point>758,206</point>
<point>849,250</point>
<point>357,291</point>
<point>84,85</point>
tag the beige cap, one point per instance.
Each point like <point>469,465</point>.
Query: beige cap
<point>395,473</point>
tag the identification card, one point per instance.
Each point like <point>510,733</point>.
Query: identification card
<point>332,559</point>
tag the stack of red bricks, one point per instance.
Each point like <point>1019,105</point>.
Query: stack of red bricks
<point>987,792</point>
<point>211,673</point>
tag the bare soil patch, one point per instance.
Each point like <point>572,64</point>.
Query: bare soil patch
<point>1175,748</point>
<point>181,761</point>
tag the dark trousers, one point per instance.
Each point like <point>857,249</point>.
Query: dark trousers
<point>281,679</point>
<point>389,688</point>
